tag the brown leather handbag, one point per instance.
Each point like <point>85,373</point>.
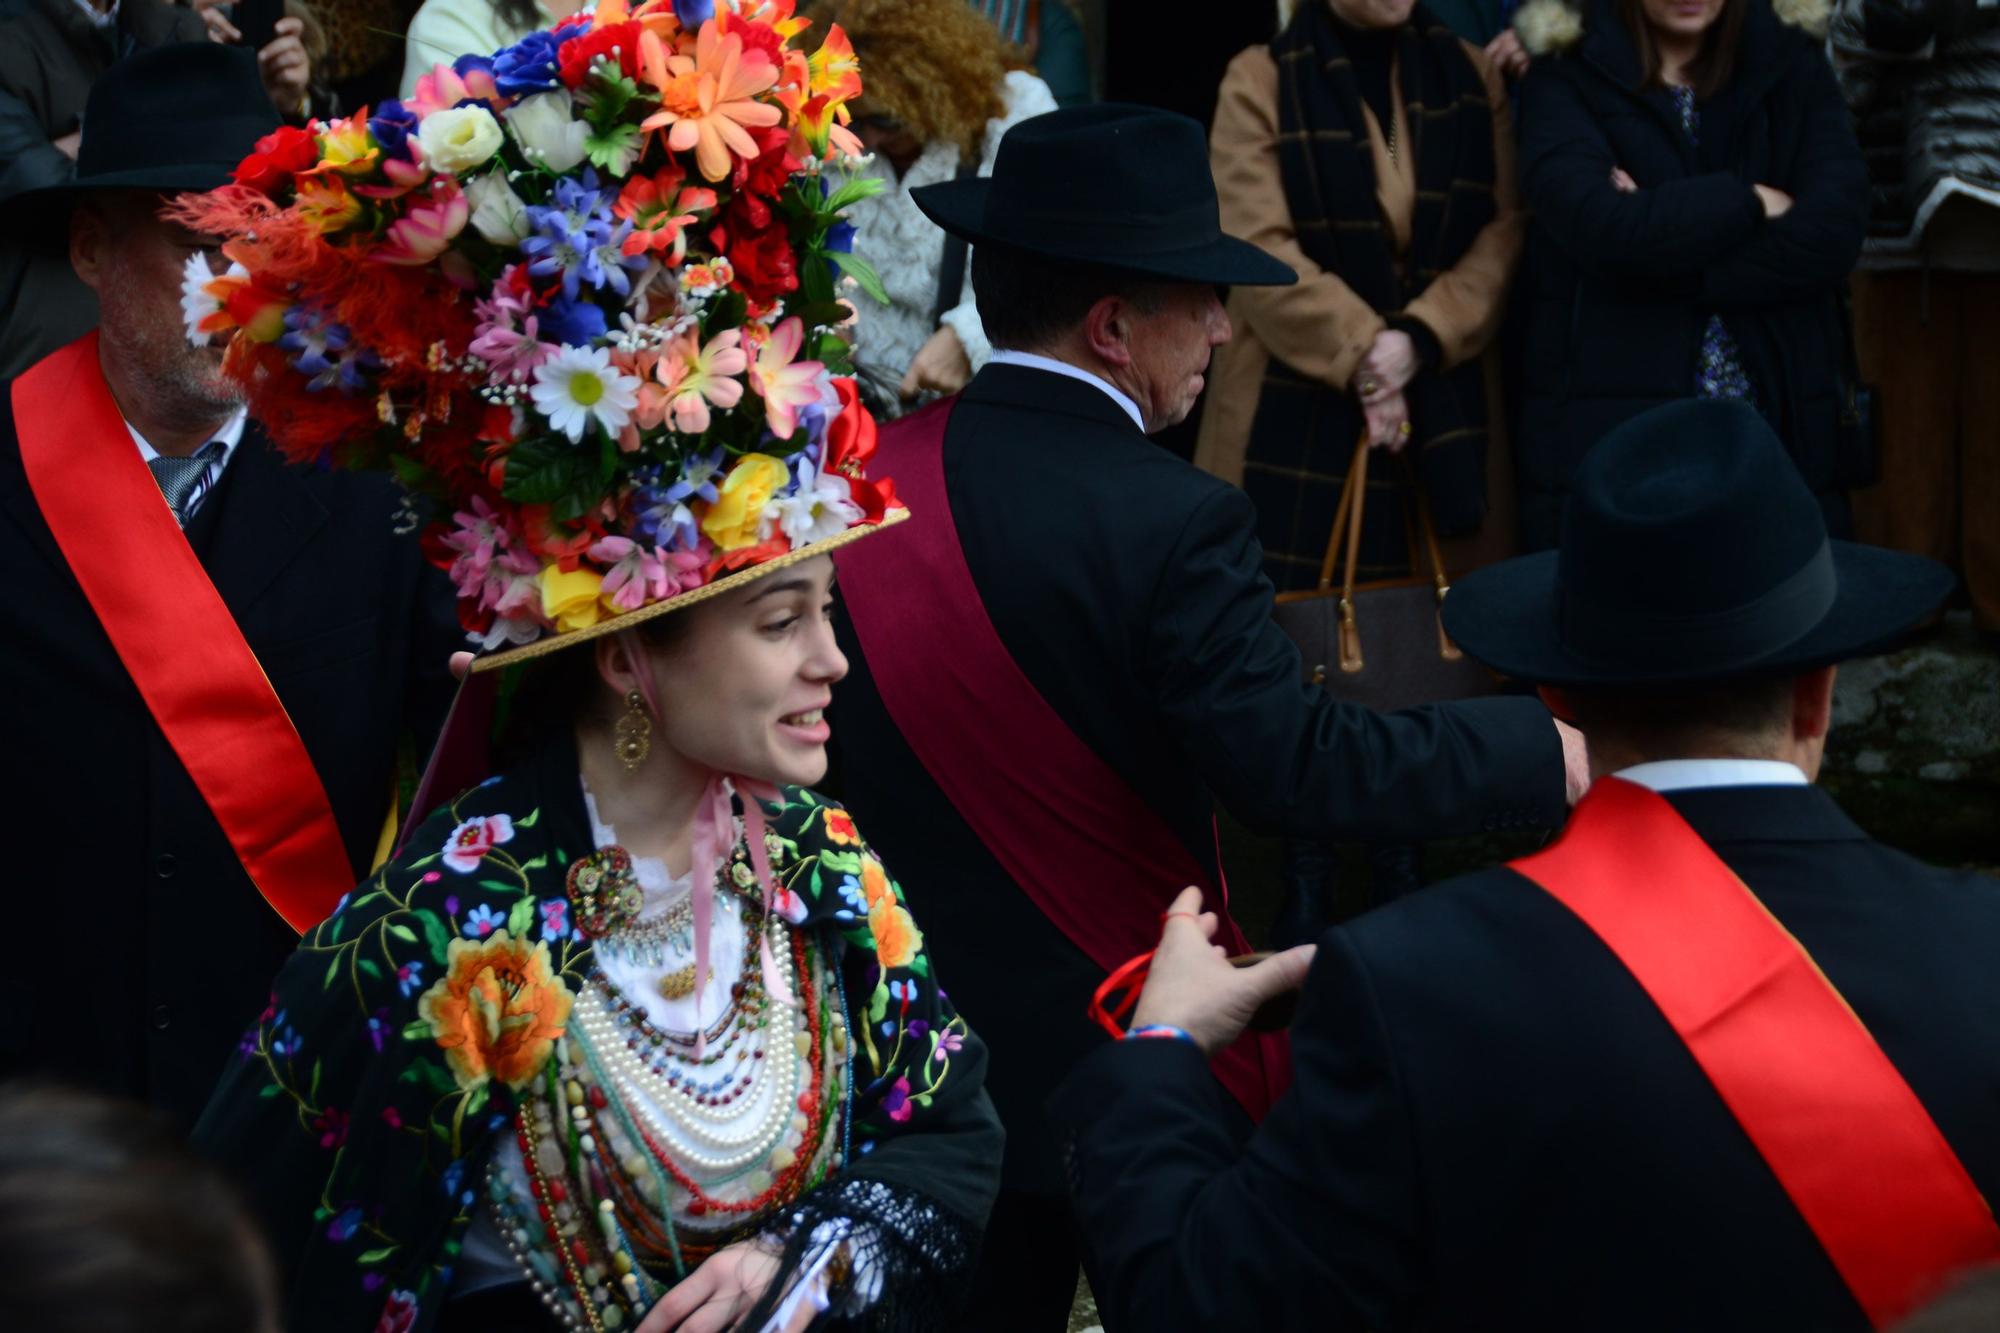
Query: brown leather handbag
<point>1379,643</point>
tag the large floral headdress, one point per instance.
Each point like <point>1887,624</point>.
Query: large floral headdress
<point>585,294</point>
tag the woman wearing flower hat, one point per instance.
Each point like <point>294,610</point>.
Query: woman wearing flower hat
<point>636,1032</point>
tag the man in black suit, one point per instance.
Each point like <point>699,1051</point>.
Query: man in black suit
<point>1127,588</point>
<point>1504,1113</point>
<point>143,945</point>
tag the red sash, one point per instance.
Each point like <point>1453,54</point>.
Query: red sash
<point>1840,1129</point>
<point>1097,860</point>
<point>171,630</point>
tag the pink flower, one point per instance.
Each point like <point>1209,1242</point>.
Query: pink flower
<point>427,229</point>
<point>442,89</point>
<point>786,385</point>
<point>636,575</point>
<point>896,1101</point>
<point>399,1313</point>
<point>695,376</point>
<point>471,841</point>
<point>708,101</point>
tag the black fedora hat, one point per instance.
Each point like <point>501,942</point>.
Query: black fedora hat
<point>172,118</point>
<point>1691,553</point>
<point>1123,187</point>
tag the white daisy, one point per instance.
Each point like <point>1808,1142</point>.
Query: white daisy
<point>578,384</point>
<point>198,303</point>
<point>820,506</point>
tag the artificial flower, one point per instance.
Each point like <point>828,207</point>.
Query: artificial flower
<point>347,147</point>
<point>762,264</point>
<point>707,100</point>
<point>734,521</point>
<point>425,230</point>
<point>664,515</point>
<point>326,202</point>
<point>498,214</point>
<point>636,575</point>
<point>697,375</point>
<point>576,240</point>
<point>459,138</point>
<point>469,78</point>
<point>576,323</point>
<point>570,597</point>
<point>579,385</point>
<point>497,1011</point>
<point>550,136</point>
<point>660,209</point>
<point>821,505</point>
<point>557,541</point>
<point>277,157</point>
<point>529,66</point>
<point>786,385</point>
<point>836,71</point>
<point>615,43</point>
<point>392,126</point>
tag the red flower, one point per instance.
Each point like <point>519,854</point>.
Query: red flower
<point>743,557</point>
<point>754,36</point>
<point>764,264</point>
<point>579,53</point>
<point>557,541</point>
<point>850,436</point>
<point>279,155</point>
<point>764,177</point>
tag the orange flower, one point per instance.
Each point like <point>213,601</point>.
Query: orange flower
<point>840,827</point>
<point>875,882</point>
<point>497,1010</point>
<point>897,938</point>
<point>707,100</point>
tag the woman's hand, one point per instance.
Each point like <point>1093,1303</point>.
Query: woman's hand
<point>1388,423</point>
<point>284,66</point>
<point>1192,985</point>
<point>721,1291</point>
<point>1623,182</point>
<point>941,366</point>
<point>1387,368</point>
<point>1507,55</point>
<point>1775,201</point>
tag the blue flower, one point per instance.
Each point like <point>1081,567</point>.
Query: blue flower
<point>378,1024</point>
<point>344,1225</point>
<point>555,919</point>
<point>453,1176</point>
<point>904,991</point>
<point>323,348</point>
<point>694,13</point>
<point>852,895</point>
<point>410,977</point>
<point>482,921</point>
<point>573,323</point>
<point>663,515</point>
<point>288,1045</point>
<point>528,66</point>
<point>576,237</point>
<point>392,125</point>
<point>840,237</point>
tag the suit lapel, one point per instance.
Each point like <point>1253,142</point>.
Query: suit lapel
<point>267,517</point>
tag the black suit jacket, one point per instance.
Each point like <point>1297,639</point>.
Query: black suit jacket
<point>1129,587</point>
<point>1493,1126</point>
<point>143,950</point>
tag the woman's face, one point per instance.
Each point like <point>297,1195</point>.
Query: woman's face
<point>1374,13</point>
<point>744,685</point>
<point>1682,18</point>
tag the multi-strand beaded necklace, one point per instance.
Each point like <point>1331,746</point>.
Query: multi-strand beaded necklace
<point>645,1150</point>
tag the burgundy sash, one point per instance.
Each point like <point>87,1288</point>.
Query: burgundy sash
<point>1858,1154</point>
<point>1098,861</point>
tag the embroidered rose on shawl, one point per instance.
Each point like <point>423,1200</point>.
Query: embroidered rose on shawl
<point>897,939</point>
<point>497,1011</point>
<point>469,842</point>
<point>840,828</point>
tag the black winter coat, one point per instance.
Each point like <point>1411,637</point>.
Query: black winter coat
<point>1621,285</point>
<point>154,946</point>
<point>1491,1126</point>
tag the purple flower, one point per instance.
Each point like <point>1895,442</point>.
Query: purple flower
<point>694,13</point>
<point>391,127</point>
<point>555,919</point>
<point>323,349</point>
<point>344,1225</point>
<point>663,515</point>
<point>896,1101</point>
<point>378,1024</point>
<point>482,921</point>
<point>577,237</point>
<point>949,1042</point>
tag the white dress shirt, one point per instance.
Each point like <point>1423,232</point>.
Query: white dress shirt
<point>1686,774</point>
<point>228,436</point>
<point>1035,361</point>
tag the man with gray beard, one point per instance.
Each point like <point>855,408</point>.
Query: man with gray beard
<point>211,657</point>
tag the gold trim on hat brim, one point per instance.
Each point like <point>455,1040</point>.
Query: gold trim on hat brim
<point>550,643</point>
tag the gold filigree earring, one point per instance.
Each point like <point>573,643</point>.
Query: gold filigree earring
<point>634,733</point>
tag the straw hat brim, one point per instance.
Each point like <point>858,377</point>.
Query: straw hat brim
<point>552,643</point>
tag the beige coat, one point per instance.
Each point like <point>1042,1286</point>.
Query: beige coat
<point>1320,327</point>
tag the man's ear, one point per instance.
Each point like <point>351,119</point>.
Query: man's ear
<point>1812,704</point>
<point>87,237</point>
<point>1557,702</point>
<point>1107,329</point>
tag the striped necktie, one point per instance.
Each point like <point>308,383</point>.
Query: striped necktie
<point>184,481</point>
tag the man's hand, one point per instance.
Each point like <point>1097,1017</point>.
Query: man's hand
<point>721,1291</point>
<point>1387,369</point>
<point>1388,423</point>
<point>1508,55</point>
<point>69,143</point>
<point>1191,984</point>
<point>1776,203</point>
<point>941,366</point>
<point>461,665</point>
<point>283,64</point>
<point>1622,181</point>
<point>1576,762</point>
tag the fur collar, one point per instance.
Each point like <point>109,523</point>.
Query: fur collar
<point>1550,27</point>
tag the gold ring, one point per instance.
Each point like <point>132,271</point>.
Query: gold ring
<point>1366,384</point>
<point>1403,430</point>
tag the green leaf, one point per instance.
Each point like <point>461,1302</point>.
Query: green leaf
<point>437,938</point>
<point>418,1031</point>
<point>332,971</point>
<point>538,862</point>
<point>616,150</point>
<point>369,968</point>
<point>921,965</point>
<point>844,863</point>
<point>269,1090</point>
<point>414,475</point>
<point>878,1003</point>
<point>530,819</point>
<point>375,1256</point>
<point>402,932</point>
<point>499,886</point>
<point>851,191</point>
<point>863,273</point>
<point>312,1088</point>
<point>475,1101</point>
<point>520,917</point>
<point>542,470</point>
